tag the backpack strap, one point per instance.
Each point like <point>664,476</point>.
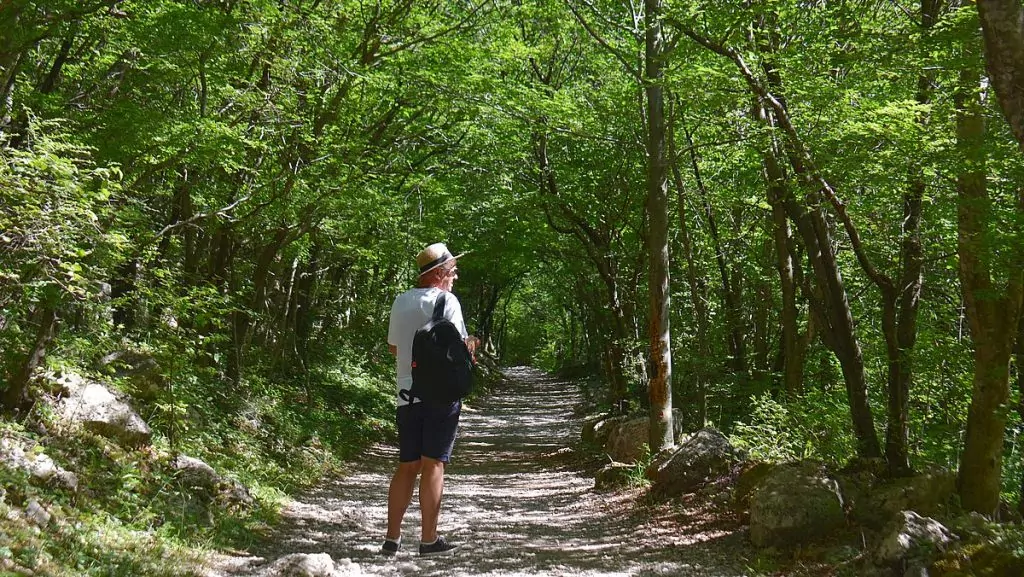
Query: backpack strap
<point>438,308</point>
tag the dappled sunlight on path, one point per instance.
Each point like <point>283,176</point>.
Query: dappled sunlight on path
<point>513,497</point>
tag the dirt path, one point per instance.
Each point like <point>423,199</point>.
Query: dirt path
<point>516,497</point>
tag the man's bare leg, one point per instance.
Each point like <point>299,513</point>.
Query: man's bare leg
<point>400,495</point>
<point>431,489</point>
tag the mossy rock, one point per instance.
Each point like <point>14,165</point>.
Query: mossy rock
<point>750,475</point>
<point>614,476</point>
<point>795,504</point>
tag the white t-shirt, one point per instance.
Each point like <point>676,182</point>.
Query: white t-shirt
<point>412,310</point>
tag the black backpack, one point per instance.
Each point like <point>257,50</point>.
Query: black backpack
<point>442,366</point>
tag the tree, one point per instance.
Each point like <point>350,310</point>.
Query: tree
<point>1002,23</point>
<point>992,305</point>
<point>661,433</point>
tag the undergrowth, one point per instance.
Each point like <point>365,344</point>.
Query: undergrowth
<point>130,515</point>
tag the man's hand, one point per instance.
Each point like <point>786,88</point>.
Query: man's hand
<point>393,349</point>
<point>472,343</point>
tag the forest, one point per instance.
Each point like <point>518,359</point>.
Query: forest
<point>800,222</point>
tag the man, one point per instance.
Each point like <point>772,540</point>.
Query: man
<point>426,430</point>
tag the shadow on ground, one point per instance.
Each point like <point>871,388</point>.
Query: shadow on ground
<point>517,499</point>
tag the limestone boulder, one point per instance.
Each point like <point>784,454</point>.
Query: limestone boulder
<point>195,473</point>
<point>912,540</point>
<point>139,368</point>
<point>37,514</point>
<point>94,407</point>
<point>613,476</point>
<point>927,493</point>
<point>596,429</point>
<point>204,481</point>
<point>18,454</point>
<point>701,457</point>
<point>876,500</point>
<point>750,476</point>
<point>628,438</point>
<point>797,503</point>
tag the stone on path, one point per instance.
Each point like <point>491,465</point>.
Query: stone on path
<point>311,565</point>
<point>613,476</point>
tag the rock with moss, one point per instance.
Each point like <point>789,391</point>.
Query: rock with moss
<point>628,439</point>
<point>984,547</point>
<point>875,500</point>
<point>141,369</point>
<point>795,504</point>
<point>702,457</point>
<point>29,457</point>
<point>750,475</point>
<point>614,476</point>
<point>912,541</point>
<point>96,408</point>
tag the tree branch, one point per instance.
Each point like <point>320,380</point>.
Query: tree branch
<point>811,175</point>
<point>604,43</point>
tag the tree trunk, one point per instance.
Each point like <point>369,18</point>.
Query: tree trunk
<point>49,83</point>
<point>16,394</point>
<point>829,302</point>
<point>1002,24</point>
<point>122,289</point>
<point>900,301</point>
<point>980,475</point>
<point>730,297</point>
<point>660,390</point>
<point>303,312</point>
<point>698,299</point>
<point>9,65</point>
<point>778,190</point>
<point>1019,354</point>
<point>489,303</point>
<point>992,313</point>
<point>836,319</point>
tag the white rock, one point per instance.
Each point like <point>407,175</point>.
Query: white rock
<point>912,534</point>
<point>17,455</point>
<point>37,513</point>
<point>310,565</point>
<point>93,406</point>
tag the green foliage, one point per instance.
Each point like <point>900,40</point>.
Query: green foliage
<point>56,242</point>
<point>986,548</point>
<point>637,475</point>
<point>812,427</point>
<point>236,190</point>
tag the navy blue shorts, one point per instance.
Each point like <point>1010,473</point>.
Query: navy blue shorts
<point>427,430</point>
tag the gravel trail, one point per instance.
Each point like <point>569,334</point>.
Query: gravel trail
<point>519,500</point>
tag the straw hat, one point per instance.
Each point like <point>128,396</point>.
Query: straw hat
<point>434,256</point>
